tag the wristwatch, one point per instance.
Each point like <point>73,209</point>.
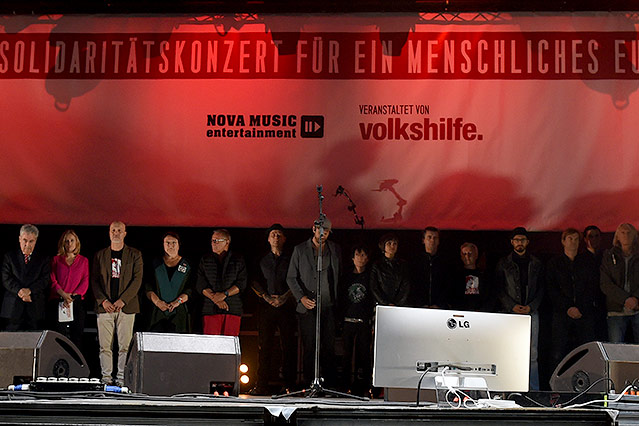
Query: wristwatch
<point>226,293</point>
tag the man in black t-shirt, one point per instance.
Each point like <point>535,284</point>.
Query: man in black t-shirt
<point>276,312</point>
<point>471,288</point>
<point>115,280</point>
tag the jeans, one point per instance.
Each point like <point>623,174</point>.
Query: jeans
<point>618,325</point>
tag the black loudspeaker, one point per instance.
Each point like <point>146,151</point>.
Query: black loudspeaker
<point>25,356</point>
<point>594,361</point>
<point>169,364</point>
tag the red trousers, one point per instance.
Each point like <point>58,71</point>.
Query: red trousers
<point>222,324</point>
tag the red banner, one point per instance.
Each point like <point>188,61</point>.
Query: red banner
<point>365,55</point>
<point>527,120</point>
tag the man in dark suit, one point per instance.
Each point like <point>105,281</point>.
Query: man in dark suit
<point>302,280</point>
<point>25,277</point>
<point>115,279</point>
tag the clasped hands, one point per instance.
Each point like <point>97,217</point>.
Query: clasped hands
<point>521,309</point>
<point>113,307</point>
<point>276,300</point>
<point>25,294</point>
<point>217,298</point>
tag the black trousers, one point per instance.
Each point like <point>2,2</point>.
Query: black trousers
<point>568,333</point>
<point>357,339</point>
<point>31,317</point>
<point>271,320</point>
<point>328,369</point>
<point>24,322</point>
<point>73,329</point>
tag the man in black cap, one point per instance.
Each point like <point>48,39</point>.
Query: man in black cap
<point>276,311</point>
<point>519,284</point>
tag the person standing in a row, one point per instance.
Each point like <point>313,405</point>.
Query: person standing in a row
<point>116,279</point>
<point>25,277</point>
<point>221,277</point>
<point>69,284</point>
<point>168,287</point>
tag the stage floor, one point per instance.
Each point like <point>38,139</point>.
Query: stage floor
<point>102,409</point>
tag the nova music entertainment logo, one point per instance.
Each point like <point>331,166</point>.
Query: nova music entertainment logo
<point>312,126</point>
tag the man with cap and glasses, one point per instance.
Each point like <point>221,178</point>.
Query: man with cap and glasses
<point>302,280</point>
<point>520,289</point>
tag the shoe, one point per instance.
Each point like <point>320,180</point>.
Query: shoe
<point>108,381</point>
<point>258,390</point>
<point>284,390</point>
<point>119,383</point>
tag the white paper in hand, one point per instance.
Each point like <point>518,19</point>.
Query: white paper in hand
<point>65,314</point>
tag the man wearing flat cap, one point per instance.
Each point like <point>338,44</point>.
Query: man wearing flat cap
<point>302,280</point>
<point>520,288</point>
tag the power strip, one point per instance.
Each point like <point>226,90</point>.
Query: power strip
<point>497,403</point>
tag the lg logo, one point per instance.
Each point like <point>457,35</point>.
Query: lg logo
<point>452,323</point>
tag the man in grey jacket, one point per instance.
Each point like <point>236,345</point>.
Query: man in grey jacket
<point>302,280</point>
<point>620,283</point>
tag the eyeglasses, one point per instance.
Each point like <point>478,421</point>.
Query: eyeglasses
<point>218,240</point>
<point>520,240</point>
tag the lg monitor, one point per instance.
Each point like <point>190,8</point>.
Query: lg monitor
<point>473,349</point>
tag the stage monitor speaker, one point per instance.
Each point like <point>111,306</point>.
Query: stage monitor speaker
<point>169,364</point>
<point>25,356</point>
<point>615,364</point>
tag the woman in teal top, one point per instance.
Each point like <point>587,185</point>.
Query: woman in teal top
<point>168,288</point>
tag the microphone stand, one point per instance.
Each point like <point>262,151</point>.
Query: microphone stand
<point>317,389</point>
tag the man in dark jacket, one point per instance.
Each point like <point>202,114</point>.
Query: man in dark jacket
<point>620,283</point>
<point>302,280</point>
<point>519,285</point>
<point>390,276</point>
<point>25,277</point>
<point>430,272</point>
<point>221,277</point>
<point>276,312</point>
<point>572,283</point>
<point>593,253</point>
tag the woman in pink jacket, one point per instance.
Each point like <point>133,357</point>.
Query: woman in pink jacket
<point>69,284</point>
